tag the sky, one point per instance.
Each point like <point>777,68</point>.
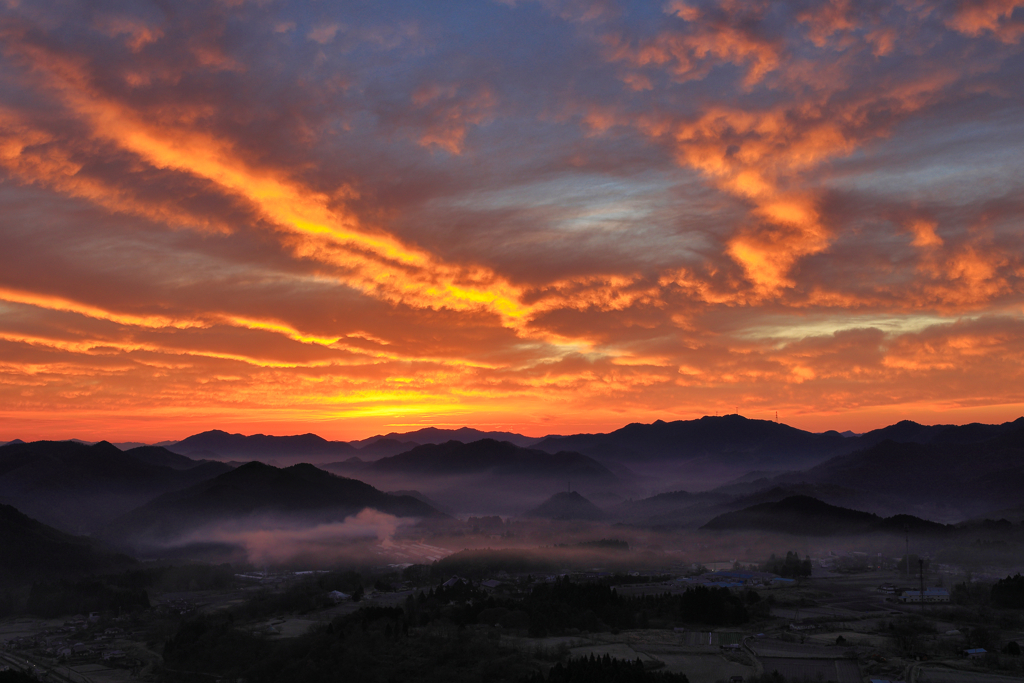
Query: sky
<point>549,216</point>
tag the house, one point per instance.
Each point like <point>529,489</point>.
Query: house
<point>338,596</point>
<point>975,653</point>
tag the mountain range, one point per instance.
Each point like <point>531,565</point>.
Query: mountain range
<point>667,474</point>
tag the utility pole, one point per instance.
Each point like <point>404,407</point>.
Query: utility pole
<point>921,564</point>
<point>906,530</point>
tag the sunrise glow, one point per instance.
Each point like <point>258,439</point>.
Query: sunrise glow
<point>538,216</point>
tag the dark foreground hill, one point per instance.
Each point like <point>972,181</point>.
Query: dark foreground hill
<point>567,506</point>
<point>256,492</point>
<point>79,487</point>
<point>803,515</point>
<point>33,550</point>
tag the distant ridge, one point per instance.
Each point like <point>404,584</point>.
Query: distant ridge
<point>727,440</point>
<point>495,457</point>
<point>435,435</point>
<point>302,447</point>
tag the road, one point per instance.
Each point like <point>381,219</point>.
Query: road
<point>45,672</point>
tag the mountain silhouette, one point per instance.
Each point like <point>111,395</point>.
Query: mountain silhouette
<point>79,487</point>
<point>730,440</point>
<point>435,435</point>
<point>568,506</point>
<point>256,490</point>
<point>302,447</point>
<point>33,550</point>
<point>803,515</point>
<point>969,478</point>
<point>499,458</point>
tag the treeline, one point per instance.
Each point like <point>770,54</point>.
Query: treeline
<point>790,567</point>
<point>1009,592</point>
<point>604,670</point>
<point>371,645</point>
<point>436,631</point>
<point>482,564</point>
<point>50,599</point>
<point>125,592</point>
<point>563,605</point>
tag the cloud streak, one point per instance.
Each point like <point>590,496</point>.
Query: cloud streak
<point>391,216</point>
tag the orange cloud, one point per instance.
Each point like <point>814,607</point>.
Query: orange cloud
<point>978,17</point>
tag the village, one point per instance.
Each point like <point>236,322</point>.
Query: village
<point>872,624</point>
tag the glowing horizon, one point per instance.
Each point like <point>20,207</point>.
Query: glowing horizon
<point>542,216</point>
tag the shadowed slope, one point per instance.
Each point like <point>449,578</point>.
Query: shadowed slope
<point>567,505</point>
<point>33,550</point>
<point>803,515</point>
<point>80,487</point>
<point>256,490</point>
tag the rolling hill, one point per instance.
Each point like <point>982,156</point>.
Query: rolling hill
<point>33,550</point>
<point>256,491</point>
<point>806,516</point>
<point>79,487</point>
<point>949,480</point>
<point>568,506</point>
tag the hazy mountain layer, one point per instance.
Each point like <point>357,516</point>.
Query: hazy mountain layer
<point>300,448</point>
<point>256,491</point>
<point>495,457</point>
<point>705,452</point>
<point>567,506</point>
<point>943,480</point>
<point>79,487</point>
<point>33,550</point>
<point>434,435</point>
<point>803,515</point>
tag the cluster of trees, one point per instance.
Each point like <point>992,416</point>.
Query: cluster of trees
<point>482,563</point>
<point>1009,592</point>
<point>604,670</point>
<point>374,643</point>
<point>126,592</point>
<point>790,567</point>
<point>564,605</point>
<point>371,645</point>
<point>50,599</point>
